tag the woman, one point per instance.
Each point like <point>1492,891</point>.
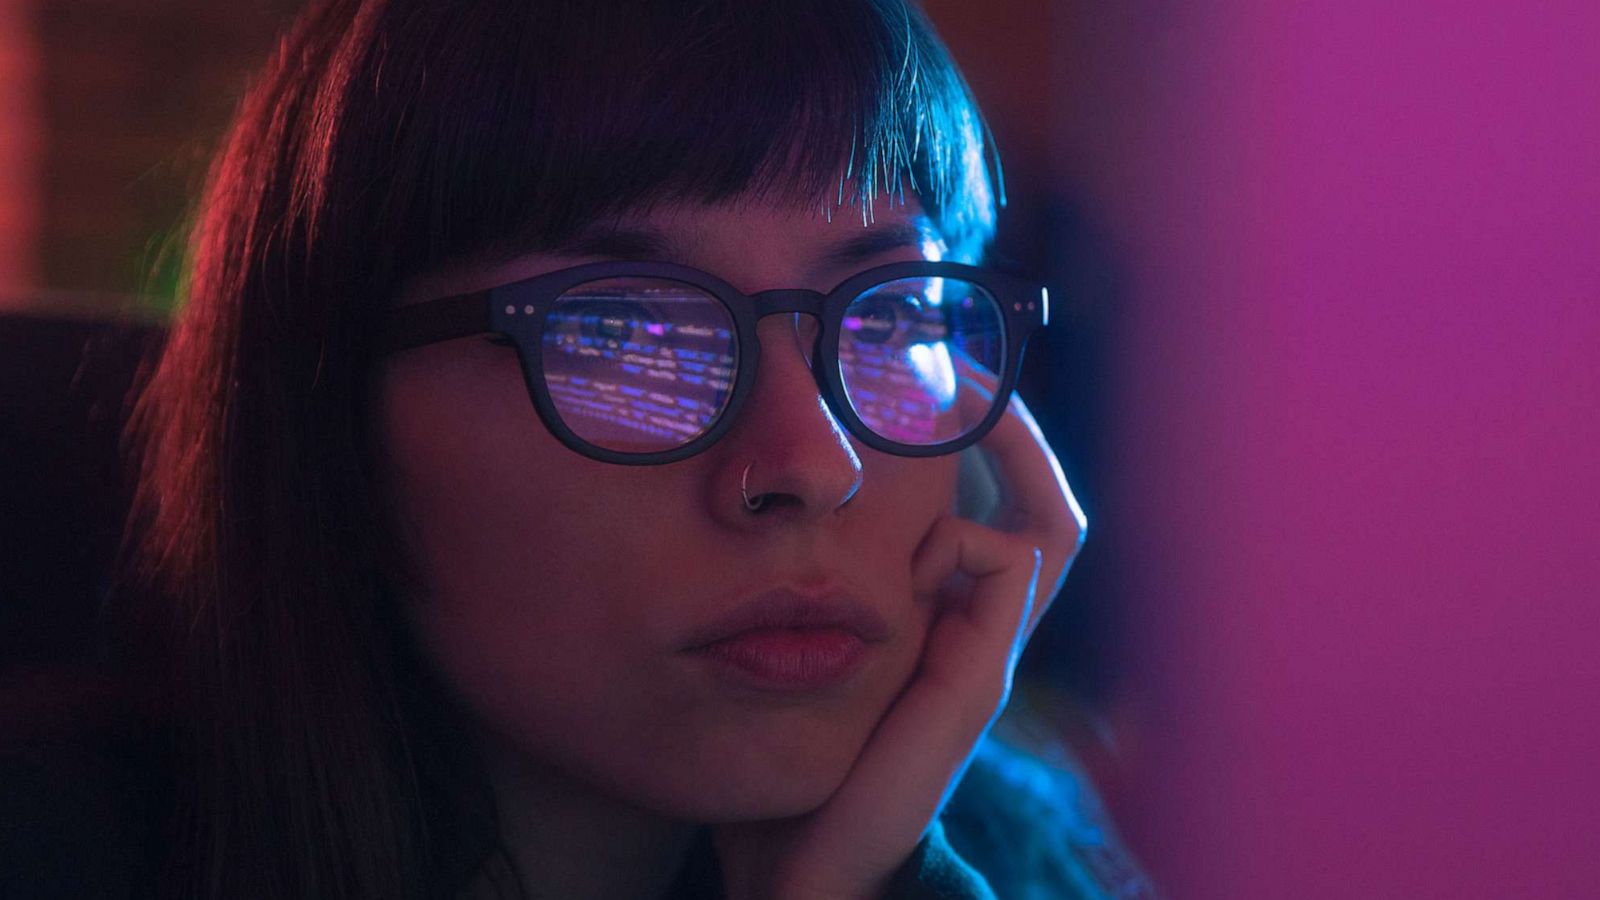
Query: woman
<point>439,600</point>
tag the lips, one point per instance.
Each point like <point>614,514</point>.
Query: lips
<point>786,608</point>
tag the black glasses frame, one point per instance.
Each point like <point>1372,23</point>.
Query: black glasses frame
<point>518,310</point>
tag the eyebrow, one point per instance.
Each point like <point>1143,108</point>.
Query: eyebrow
<point>899,236</point>
<point>617,242</point>
<point>621,243</point>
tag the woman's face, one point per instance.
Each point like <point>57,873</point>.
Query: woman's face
<point>561,593</point>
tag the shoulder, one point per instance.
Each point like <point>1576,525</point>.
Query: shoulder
<point>79,818</point>
<point>1035,828</point>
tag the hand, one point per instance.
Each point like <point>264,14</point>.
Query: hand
<point>984,581</point>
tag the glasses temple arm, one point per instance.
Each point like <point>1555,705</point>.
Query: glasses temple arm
<point>430,322</point>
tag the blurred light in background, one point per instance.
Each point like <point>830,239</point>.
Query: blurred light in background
<point>19,150</point>
<point>1359,413</point>
<point>105,133</point>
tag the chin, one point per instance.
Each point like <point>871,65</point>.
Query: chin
<point>771,802</point>
<point>753,788</point>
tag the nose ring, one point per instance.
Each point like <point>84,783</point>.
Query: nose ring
<point>743,492</point>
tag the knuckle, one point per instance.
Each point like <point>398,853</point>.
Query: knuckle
<point>1066,531</point>
<point>1029,554</point>
<point>1017,546</point>
<point>996,694</point>
<point>991,690</point>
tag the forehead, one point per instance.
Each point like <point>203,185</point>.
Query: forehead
<point>754,244</point>
<point>685,231</point>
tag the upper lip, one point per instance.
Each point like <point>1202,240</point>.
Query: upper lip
<point>790,608</point>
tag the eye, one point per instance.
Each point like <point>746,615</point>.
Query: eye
<point>876,318</point>
<point>902,313</point>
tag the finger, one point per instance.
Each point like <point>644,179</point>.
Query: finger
<point>1036,482</point>
<point>915,756</point>
<point>1039,503</point>
<point>967,665</point>
<point>987,616</point>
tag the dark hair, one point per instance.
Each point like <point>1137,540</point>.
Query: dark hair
<point>385,139</point>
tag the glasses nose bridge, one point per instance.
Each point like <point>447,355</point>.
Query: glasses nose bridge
<point>788,300</point>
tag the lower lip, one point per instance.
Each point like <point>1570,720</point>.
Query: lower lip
<point>787,659</point>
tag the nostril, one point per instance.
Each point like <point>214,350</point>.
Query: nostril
<point>769,501</point>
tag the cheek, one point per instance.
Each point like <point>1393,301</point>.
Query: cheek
<point>541,570</point>
<point>900,500</point>
<point>524,593</point>
<point>909,495</point>
<point>486,503</point>
<point>453,445</point>
<point>480,491</point>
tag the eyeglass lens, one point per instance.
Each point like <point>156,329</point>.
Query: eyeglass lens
<point>646,365</point>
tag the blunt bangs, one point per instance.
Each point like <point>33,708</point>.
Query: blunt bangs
<point>494,128</point>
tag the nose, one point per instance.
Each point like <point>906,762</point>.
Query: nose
<point>800,461</point>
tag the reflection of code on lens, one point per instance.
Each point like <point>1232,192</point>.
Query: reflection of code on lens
<point>904,348</point>
<point>642,365</point>
<point>638,365</point>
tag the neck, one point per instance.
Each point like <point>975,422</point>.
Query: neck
<point>569,840</point>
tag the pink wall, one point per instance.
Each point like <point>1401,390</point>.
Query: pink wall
<point>1363,427</point>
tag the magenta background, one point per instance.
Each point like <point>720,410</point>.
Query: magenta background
<point>1364,413</point>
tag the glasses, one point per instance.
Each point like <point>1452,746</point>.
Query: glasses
<point>643,363</point>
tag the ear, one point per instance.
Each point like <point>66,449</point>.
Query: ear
<point>977,494</point>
